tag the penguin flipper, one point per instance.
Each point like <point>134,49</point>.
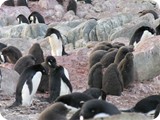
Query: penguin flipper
<point>65,79</point>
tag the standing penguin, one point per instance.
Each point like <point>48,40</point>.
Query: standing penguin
<point>36,17</point>
<point>95,76</point>
<point>10,54</point>
<point>97,108</point>
<point>112,83</point>
<point>59,83</point>
<point>24,62</point>
<point>37,52</point>
<point>7,2</point>
<point>139,33</point>
<point>72,5</point>
<point>28,84</point>
<point>56,111</point>
<point>126,68</point>
<point>22,19</point>
<point>146,105</point>
<point>55,40</point>
<point>22,3</point>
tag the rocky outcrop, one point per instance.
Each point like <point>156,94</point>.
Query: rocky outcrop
<point>146,59</point>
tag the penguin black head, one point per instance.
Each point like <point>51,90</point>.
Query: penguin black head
<point>51,61</point>
<point>36,17</point>
<point>53,31</point>
<point>93,108</point>
<point>22,19</point>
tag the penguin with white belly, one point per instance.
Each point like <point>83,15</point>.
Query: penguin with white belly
<point>27,86</point>
<point>59,83</point>
<point>55,40</point>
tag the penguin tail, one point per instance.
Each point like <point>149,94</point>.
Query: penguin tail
<point>15,104</point>
<point>129,110</point>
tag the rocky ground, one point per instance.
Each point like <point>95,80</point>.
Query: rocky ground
<point>77,64</point>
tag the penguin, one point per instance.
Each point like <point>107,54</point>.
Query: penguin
<point>22,19</point>
<point>122,51</point>
<point>36,17</point>
<point>22,3</point>
<point>126,68</point>
<point>55,40</point>
<point>74,100</point>
<point>93,92</point>
<point>112,83</point>
<point>7,2</point>
<point>10,54</point>
<point>24,62</point>
<point>43,86</point>
<point>59,83</point>
<point>95,76</point>
<point>139,33</point>
<point>144,12</point>
<point>102,46</point>
<point>76,115</point>
<point>27,86</point>
<point>60,2</point>
<point>72,5</point>
<point>117,45</point>
<point>2,46</point>
<point>156,114</point>
<point>109,58</point>
<point>96,57</point>
<point>56,111</point>
<point>97,109</point>
<point>37,52</point>
<point>146,105</point>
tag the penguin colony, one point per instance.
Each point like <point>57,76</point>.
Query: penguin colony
<point>111,70</point>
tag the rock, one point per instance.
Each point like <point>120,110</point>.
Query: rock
<point>23,31</point>
<point>128,29</point>
<point>9,81</point>
<point>106,25</point>
<point>47,4</point>
<point>81,31</point>
<point>9,14</point>
<point>127,116</point>
<point>146,59</point>
<point>70,15</point>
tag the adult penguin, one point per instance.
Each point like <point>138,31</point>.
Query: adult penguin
<point>156,115</point>
<point>7,2</point>
<point>22,3</point>
<point>122,51</point>
<point>72,5</point>
<point>74,100</point>
<point>139,33</point>
<point>95,76</point>
<point>24,62</point>
<point>112,83</point>
<point>28,84</point>
<point>144,12</point>
<point>146,105</point>
<point>109,57</point>
<point>96,56</point>
<point>10,54</point>
<point>59,83</point>
<point>37,52</point>
<point>126,68</point>
<point>56,111</point>
<point>36,17</point>
<point>22,19</point>
<point>97,109</point>
<point>55,40</point>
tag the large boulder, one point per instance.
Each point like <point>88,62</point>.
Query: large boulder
<point>23,31</point>
<point>9,81</point>
<point>146,59</point>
